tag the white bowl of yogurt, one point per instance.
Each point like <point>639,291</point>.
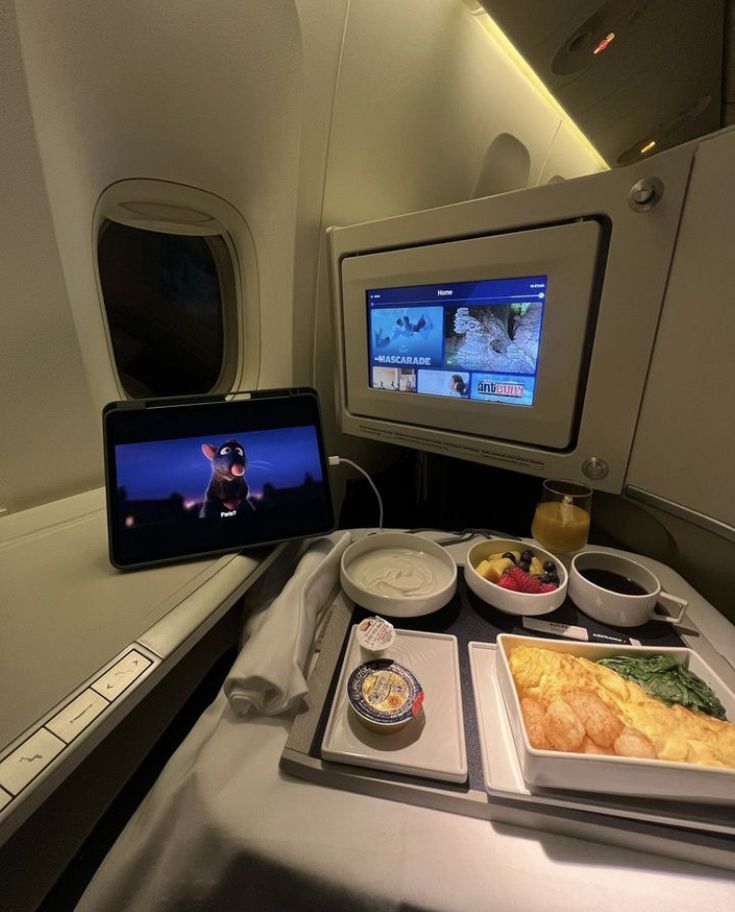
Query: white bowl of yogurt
<point>398,574</point>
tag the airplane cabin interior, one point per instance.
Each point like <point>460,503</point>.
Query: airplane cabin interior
<point>367,504</point>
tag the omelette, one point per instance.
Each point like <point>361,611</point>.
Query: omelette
<point>572,704</point>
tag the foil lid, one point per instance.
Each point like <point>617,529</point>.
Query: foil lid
<point>384,692</point>
<point>375,634</point>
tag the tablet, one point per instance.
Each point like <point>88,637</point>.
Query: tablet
<point>190,478</point>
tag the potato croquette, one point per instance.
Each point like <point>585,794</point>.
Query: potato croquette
<point>632,743</point>
<point>589,747</point>
<point>562,727</point>
<point>533,717</point>
<point>600,722</point>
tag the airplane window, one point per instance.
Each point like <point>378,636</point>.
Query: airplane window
<point>167,308</point>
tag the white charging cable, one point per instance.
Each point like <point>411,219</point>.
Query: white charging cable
<point>338,460</point>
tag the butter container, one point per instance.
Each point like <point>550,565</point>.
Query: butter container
<point>385,696</point>
<point>618,775</point>
<point>375,634</point>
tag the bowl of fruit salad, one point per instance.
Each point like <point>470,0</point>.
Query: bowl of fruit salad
<point>516,577</point>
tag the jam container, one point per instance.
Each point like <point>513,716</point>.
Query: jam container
<point>384,695</point>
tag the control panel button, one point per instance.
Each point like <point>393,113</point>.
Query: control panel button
<point>27,761</point>
<point>595,468</point>
<point>4,798</point>
<point>76,716</point>
<point>121,675</point>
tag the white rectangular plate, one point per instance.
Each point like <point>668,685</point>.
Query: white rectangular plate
<point>503,777</point>
<point>432,745</point>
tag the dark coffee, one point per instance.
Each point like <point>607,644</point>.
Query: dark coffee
<point>614,582</point>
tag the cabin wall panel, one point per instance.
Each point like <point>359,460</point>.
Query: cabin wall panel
<point>422,93</point>
<point>684,443</point>
<point>685,439</point>
<point>208,96</point>
<point>566,157</point>
<point>322,32</point>
<point>48,427</point>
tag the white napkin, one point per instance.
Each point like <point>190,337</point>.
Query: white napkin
<point>268,674</point>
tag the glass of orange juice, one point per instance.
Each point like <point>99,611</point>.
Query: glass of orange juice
<point>561,523</point>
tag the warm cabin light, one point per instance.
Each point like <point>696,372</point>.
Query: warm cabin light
<point>648,146</point>
<point>605,43</point>
<point>500,39</point>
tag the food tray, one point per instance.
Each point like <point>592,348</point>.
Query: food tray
<point>504,778</point>
<point>701,835</point>
<point>433,744</point>
<point>659,779</point>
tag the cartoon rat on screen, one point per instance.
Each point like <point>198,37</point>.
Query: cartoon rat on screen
<point>227,491</point>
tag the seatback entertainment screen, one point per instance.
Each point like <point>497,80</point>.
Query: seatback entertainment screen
<point>199,478</point>
<point>459,345</point>
<point>466,340</point>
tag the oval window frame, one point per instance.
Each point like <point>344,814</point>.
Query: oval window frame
<point>179,209</point>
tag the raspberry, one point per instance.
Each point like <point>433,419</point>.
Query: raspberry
<point>506,581</point>
<point>531,585</point>
<point>548,587</point>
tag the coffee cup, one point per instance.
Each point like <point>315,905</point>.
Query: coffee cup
<point>619,591</point>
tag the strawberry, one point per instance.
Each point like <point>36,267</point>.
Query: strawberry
<point>525,582</point>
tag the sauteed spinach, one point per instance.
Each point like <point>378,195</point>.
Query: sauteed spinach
<point>662,677</point>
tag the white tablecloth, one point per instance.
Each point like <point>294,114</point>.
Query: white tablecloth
<point>223,829</point>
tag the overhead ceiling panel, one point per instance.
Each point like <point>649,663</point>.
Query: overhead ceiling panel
<point>629,72</point>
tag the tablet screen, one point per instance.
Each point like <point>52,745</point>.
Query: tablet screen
<point>204,477</point>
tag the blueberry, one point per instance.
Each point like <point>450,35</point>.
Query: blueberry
<point>550,566</point>
<point>527,556</point>
<point>524,565</point>
<point>510,556</point>
<point>550,578</point>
